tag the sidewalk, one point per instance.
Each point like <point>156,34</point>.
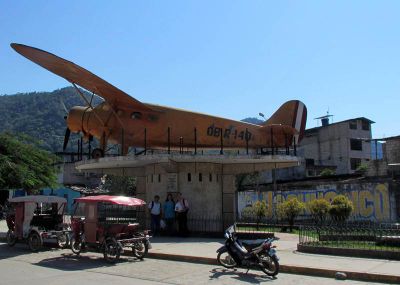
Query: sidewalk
<point>203,250</point>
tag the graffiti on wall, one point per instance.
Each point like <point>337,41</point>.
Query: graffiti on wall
<point>370,203</point>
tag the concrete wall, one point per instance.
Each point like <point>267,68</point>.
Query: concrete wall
<point>392,151</point>
<point>374,200</point>
<point>204,196</point>
<point>330,145</point>
<point>70,176</point>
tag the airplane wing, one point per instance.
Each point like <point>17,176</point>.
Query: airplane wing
<point>80,76</point>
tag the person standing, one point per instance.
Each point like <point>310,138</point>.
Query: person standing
<point>181,210</point>
<point>169,213</point>
<point>155,212</point>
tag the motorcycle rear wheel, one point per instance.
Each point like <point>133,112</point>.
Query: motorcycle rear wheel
<point>11,238</point>
<point>111,251</point>
<point>226,260</point>
<point>76,246</point>
<point>269,265</point>
<point>35,241</point>
<point>140,249</point>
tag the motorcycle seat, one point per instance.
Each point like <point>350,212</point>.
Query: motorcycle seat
<point>252,242</point>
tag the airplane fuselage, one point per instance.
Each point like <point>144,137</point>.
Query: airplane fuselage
<point>168,126</point>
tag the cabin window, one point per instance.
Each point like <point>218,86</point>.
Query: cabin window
<point>152,178</point>
<point>200,177</point>
<point>79,210</point>
<point>355,144</point>
<point>210,177</point>
<point>136,115</point>
<point>189,177</point>
<point>159,177</point>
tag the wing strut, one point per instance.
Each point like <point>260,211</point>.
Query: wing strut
<point>88,103</point>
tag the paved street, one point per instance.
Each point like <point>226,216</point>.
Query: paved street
<point>19,266</point>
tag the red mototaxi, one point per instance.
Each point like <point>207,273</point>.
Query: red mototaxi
<point>108,224</point>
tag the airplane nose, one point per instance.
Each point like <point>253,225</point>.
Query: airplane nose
<point>75,118</point>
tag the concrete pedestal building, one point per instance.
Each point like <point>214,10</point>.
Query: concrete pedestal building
<point>208,182</point>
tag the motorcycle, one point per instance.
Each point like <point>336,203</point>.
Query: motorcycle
<point>248,254</point>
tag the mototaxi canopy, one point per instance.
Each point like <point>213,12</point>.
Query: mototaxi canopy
<point>117,200</point>
<point>38,199</point>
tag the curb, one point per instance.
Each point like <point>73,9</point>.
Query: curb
<point>292,269</point>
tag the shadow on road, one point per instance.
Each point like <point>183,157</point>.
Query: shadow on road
<point>20,249</point>
<point>72,262</point>
<point>57,258</point>
<point>240,276</point>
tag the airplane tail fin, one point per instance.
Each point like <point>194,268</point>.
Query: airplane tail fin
<point>292,113</point>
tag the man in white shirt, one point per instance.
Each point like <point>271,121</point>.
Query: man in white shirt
<point>181,210</point>
<point>155,211</point>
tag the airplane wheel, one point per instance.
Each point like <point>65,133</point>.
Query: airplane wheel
<point>97,153</point>
<point>35,241</point>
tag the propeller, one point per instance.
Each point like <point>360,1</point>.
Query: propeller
<point>67,131</point>
<point>66,138</point>
<point>63,105</point>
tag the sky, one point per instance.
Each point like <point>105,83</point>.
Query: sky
<point>227,58</point>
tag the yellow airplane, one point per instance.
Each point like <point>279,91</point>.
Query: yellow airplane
<point>123,120</point>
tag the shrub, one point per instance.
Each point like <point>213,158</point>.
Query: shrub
<point>290,209</point>
<point>341,208</point>
<point>327,172</point>
<point>248,213</point>
<point>260,210</point>
<point>255,212</point>
<point>362,168</point>
<point>319,209</point>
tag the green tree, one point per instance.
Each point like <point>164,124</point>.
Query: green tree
<point>23,165</point>
<point>120,185</point>
<point>319,209</point>
<point>290,209</point>
<point>341,208</point>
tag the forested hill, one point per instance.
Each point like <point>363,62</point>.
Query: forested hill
<point>253,121</point>
<point>40,115</point>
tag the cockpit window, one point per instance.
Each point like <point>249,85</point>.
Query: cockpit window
<point>136,115</point>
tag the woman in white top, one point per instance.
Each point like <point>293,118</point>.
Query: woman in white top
<point>181,209</point>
